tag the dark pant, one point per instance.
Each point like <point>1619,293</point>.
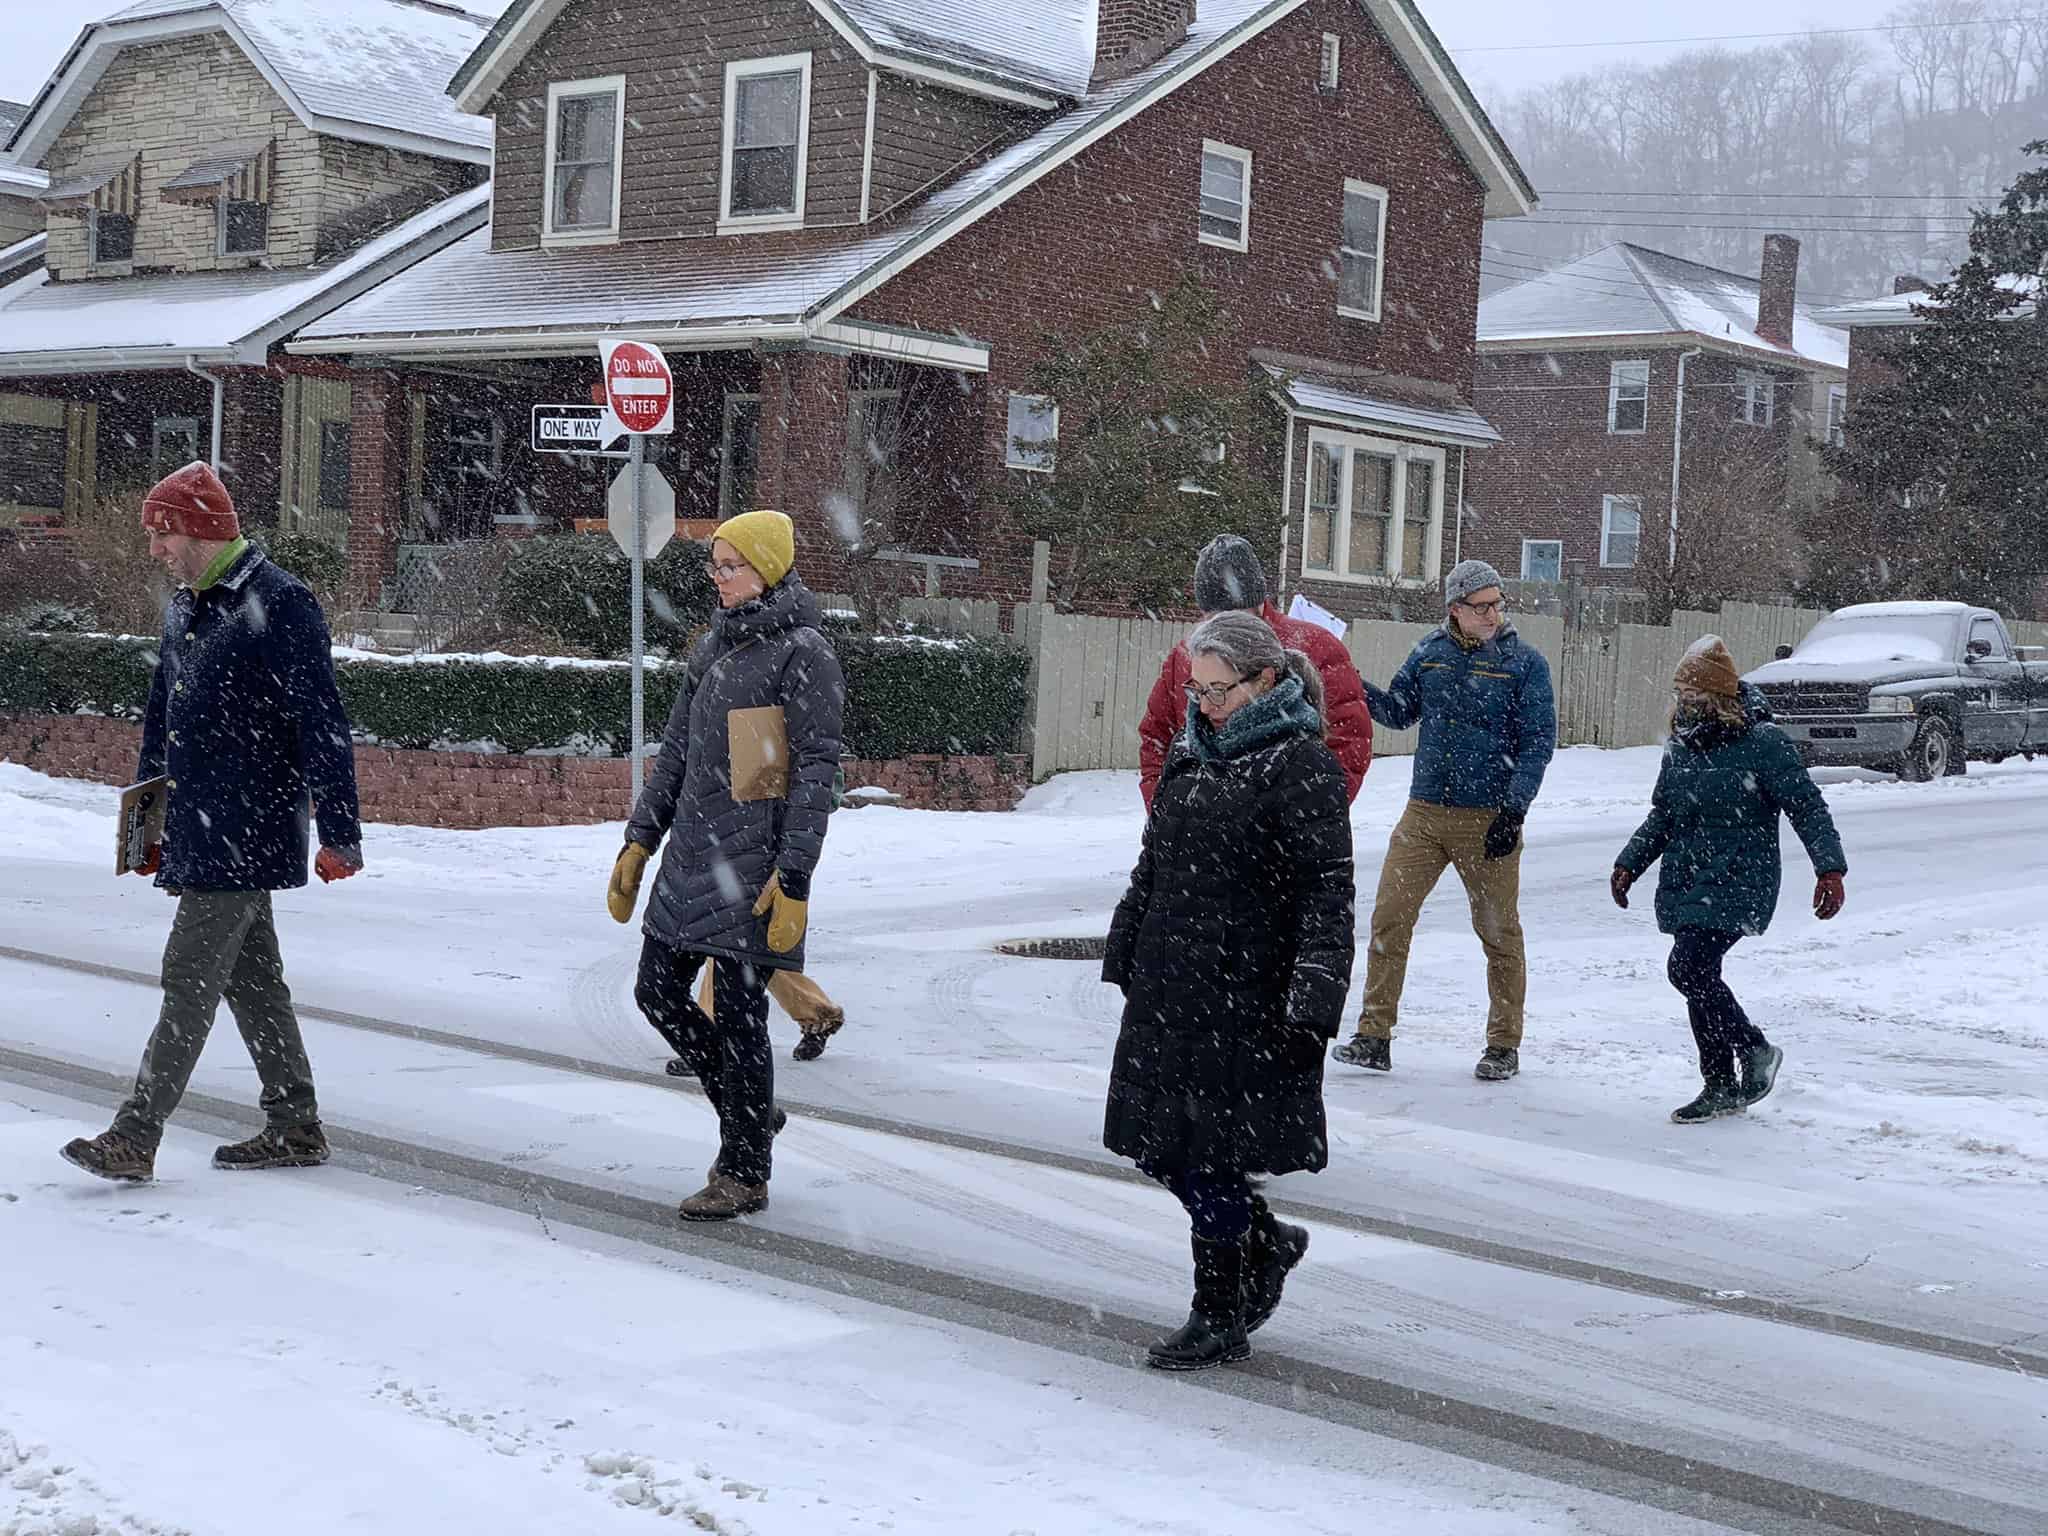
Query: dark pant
<point>1719,1026</point>
<point>1219,1205</point>
<point>728,1051</point>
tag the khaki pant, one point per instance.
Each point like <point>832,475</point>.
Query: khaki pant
<point>223,944</point>
<point>1427,840</point>
<point>801,998</point>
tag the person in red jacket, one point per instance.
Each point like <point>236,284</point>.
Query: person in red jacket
<point>1229,578</point>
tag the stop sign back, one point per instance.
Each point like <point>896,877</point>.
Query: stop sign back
<point>639,387</point>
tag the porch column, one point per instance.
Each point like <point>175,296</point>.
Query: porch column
<point>803,455</point>
<point>379,432</point>
<point>252,442</point>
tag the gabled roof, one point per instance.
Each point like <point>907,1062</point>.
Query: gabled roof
<point>701,291</point>
<point>1897,309</point>
<point>369,70</point>
<point>213,318</point>
<point>1626,290</point>
<point>11,113</point>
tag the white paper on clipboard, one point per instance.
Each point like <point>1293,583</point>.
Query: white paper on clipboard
<point>1316,614</point>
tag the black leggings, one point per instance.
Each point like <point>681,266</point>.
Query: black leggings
<point>730,1055</point>
<point>1220,1205</point>
<point>1719,1026</point>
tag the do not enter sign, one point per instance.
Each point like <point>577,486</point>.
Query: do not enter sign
<point>638,387</point>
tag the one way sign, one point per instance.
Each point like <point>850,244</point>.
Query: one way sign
<point>569,429</point>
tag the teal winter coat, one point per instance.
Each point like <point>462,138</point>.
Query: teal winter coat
<point>1714,822</point>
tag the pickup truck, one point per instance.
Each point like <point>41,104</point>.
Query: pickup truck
<point>1916,689</point>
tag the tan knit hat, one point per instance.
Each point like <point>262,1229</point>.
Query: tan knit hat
<point>1708,667</point>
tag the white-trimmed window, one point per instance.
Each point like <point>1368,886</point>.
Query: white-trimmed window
<point>1034,433</point>
<point>1628,397</point>
<point>173,443</point>
<point>1361,250</point>
<point>1621,531</point>
<point>1543,560</point>
<point>739,453</point>
<point>1756,397</point>
<point>1226,212</point>
<point>586,144</point>
<point>1329,64</point>
<point>242,228</point>
<point>767,140</point>
<point>1838,413</point>
<point>1375,509</point>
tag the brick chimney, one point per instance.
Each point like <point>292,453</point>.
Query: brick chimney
<point>1129,34</point>
<point>1778,290</point>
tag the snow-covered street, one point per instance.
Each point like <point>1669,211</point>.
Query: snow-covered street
<point>1815,1294</point>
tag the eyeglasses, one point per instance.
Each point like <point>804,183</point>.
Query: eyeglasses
<point>724,570</point>
<point>1497,606</point>
<point>1213,693</point>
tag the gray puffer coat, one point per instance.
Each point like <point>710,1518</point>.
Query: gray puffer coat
<point>721,851</point>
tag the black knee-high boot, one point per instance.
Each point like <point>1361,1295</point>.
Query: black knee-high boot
<point>1272,1249</point>
<point>1214,1333</point>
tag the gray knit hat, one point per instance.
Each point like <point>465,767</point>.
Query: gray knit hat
<point>1467,577</point>
<point>1228,576</point>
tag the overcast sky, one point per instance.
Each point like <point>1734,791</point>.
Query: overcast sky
<point>1511,41</point>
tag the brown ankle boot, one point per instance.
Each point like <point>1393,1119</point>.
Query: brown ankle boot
<point>301,1146</point>
<point>722,1199</point>
<point>110,1156</point>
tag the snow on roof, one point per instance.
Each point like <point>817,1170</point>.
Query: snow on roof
<point>1451,420</point>
<point>11,113</point>
<point>1908,308</point>
<point>22,180</point>
<point>207,316</point>
<point>470,290</point>
<point>1630,290</point>
<point>1047,43</point>
<point>369,69</point>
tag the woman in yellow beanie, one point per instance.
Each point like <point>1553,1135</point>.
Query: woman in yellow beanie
<point>742,790</point>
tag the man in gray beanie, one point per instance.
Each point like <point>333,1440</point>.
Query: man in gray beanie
<point>1229,578</point>
<point>1489,726</point>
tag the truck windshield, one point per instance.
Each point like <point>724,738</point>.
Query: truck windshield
<point>1881,637</point>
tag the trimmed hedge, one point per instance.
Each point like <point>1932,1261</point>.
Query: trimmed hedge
<point>905,697</point>
<point>580,590</point>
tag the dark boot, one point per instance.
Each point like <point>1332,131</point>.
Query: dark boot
<point>1214,1333</point>
<point>1273,1248</point>
<point>781,1119</point>
<point>301,1146</point>
<point>723,1198</point>
<point>811,1045</point>
<point>1371,1051</point>
<point>109,1156</point>
<point>1498,1063</point>
<point>1759,1064</point>
<point>1720,1097</point>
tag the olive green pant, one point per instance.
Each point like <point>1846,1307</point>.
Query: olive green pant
<point>223,944</point>
<point>1427,840</point>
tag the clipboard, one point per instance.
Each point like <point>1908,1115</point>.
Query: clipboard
<point>757,747</point>
<point>139,825</point>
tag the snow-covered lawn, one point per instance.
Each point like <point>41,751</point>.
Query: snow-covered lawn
<point>1899,1173</point>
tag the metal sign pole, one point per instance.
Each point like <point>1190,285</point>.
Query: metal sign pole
<point>635,457</point>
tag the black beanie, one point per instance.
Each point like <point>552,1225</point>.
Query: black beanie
<point>1228,576</point>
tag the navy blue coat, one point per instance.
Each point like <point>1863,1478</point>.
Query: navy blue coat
<point>1714,822</point>
<point>245,719</point>
<point>1489,721</point>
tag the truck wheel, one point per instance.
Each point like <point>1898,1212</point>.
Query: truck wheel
<point>1934,753</point>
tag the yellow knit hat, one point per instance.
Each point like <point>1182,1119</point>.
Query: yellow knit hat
<point>767,539</point>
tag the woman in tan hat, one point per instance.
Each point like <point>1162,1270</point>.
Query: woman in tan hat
<point>1728,773</point>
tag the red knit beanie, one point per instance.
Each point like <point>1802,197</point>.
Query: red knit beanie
<point>192,501</point>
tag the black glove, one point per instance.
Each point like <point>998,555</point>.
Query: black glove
<point>1504,834</point>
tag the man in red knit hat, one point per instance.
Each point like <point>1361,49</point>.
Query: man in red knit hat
<point>245,725</point>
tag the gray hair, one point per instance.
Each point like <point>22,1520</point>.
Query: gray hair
<point>1246,644</point>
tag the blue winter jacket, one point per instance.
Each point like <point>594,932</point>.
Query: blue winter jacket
<point>1489,721</point>
<point>245,719</point>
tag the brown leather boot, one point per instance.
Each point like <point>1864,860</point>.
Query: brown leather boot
<point>108,1156</point>
<point>722,1199</point>
<point>302,1146</point>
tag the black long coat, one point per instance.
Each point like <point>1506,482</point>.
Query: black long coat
<point>1233,946</point>
<point>720,850</point>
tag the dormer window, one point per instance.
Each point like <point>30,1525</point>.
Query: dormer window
<point>110,238</point>
<point>767,136</point>
<point>586,139</point>
<point>107,196</point>
<point>236,181</point>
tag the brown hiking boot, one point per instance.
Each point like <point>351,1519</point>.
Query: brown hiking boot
<point>722,1199</point>
<point>301,1146</point>
<point>108,1156</point>
<point>811,1044</point>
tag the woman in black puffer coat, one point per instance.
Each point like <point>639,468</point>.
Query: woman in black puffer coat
<point>1233,949</point>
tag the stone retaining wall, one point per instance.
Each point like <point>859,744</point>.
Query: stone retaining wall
<point>481,789</point>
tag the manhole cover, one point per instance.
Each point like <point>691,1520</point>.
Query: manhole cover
<point>1054,949</point>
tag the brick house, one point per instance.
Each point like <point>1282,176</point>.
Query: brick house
<point>217,173</point>
<point>1621,383</point>
<point>850,223</point>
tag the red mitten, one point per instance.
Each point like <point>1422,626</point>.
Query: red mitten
<point>333,864</point>
<point>1828,895</point>
<point>152,860</point>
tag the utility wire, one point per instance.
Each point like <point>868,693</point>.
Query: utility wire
<point>1751,37</point>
